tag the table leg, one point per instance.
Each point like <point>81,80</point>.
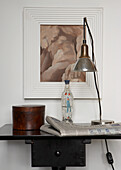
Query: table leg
<point>58,168</point>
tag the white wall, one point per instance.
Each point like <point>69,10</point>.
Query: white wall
<point>15,154</point>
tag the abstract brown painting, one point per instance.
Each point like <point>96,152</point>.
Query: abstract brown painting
<point>60,47</point>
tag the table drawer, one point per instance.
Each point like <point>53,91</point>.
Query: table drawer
<point>58,152</point>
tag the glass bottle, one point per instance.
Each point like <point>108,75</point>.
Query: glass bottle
<point>67,103</point>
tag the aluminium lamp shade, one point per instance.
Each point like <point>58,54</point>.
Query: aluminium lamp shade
<point>84,63</point>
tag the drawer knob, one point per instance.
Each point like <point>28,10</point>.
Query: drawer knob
<point>58,153</point>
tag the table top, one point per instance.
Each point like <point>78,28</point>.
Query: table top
<point>7,133</point>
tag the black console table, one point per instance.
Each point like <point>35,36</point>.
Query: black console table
<point>52,151</point>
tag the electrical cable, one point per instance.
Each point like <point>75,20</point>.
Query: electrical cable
<point>109,155</point>
<point>112,166</point>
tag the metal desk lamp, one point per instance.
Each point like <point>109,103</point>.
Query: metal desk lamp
<point>85,64</point>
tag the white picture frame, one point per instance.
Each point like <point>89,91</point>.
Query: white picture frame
<point>33,17</point>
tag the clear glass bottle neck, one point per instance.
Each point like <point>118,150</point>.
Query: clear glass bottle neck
<point>67,87</point>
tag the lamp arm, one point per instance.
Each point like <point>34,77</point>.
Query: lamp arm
<point>98,94</point>
<point>85,22</point>
<point>93,59</point>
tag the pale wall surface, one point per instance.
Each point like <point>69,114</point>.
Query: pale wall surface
<point>15,154</point>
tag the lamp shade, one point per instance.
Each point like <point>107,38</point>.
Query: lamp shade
<point>84,63</point>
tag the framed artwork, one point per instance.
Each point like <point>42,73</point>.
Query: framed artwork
<point>60,47</point>
<point>52,44</point>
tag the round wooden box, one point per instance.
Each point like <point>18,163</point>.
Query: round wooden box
<point>28,117</point>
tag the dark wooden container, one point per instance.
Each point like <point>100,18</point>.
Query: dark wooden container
<point>28,117</point>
